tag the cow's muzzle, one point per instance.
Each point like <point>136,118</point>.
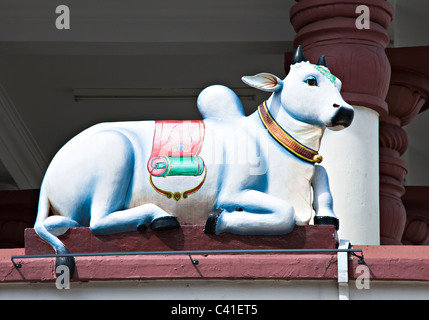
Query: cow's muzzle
<point>342,118</point>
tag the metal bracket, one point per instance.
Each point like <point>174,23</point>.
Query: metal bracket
<point>192,260</point>
<point>343,271</point>
<point>16,265</point>
<point>361,260</point>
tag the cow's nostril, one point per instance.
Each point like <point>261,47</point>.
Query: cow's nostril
<point>343,116</point>
<point>336,105</point>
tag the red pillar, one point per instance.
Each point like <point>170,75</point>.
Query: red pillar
<point>407,97</point>
<point>358,58</point>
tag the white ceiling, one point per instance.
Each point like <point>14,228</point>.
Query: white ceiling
<point>131,44</point>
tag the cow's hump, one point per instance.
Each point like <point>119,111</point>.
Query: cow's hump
<point>219,103</point>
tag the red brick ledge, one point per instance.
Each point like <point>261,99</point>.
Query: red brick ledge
<point>406,263</point>
<point>397,263</point>
<point>178,266</point>
<point>394,263</point>
<point>153,267</point>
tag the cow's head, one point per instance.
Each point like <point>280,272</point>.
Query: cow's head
<point>310,93</point>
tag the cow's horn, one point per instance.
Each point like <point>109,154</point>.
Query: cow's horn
<point>298,56</point>
<point>322,61</point>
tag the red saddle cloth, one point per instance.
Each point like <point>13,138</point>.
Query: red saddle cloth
<point>175,142</point>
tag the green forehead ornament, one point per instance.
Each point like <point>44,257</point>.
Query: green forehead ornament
<point>325,72</point>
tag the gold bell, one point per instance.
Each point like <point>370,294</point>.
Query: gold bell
<point>318,158</point>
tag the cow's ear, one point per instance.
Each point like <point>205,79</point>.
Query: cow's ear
<point>264,81</point>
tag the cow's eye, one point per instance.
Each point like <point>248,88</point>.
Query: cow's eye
<point>311,82</point>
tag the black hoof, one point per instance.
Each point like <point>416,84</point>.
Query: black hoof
<point>327,220</point>
<point>210,227</point>
<point>142,228</point>
<point>64,265</point>
<point>165,223</point>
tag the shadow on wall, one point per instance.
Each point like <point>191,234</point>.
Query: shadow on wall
<point>18,211</point>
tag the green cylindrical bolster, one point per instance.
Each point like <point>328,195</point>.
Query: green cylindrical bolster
<point>177,166</point>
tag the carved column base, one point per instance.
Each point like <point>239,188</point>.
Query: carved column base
<point>416,203</point>
<point>393,142</point>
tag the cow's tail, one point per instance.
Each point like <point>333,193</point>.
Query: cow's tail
<point>52,240</point>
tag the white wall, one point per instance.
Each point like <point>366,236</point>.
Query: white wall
<point>215,290</point>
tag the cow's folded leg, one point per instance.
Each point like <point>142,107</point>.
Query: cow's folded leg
<point>58,225</point>
<point>251,213</point>
<point>247,223</point>
<point>133,219</point>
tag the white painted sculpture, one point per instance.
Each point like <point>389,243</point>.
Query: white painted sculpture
<point>254,175</point>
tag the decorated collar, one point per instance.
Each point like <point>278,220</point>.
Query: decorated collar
<point>285,139</point>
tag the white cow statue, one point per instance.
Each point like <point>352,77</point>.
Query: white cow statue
<point>248,175</point>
